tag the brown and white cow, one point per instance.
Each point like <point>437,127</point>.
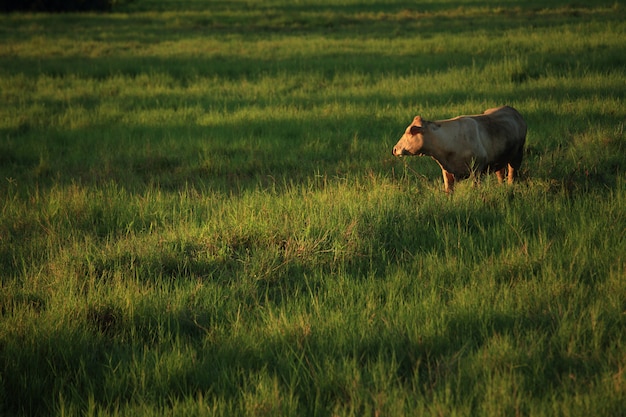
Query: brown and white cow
<point>479,143</point>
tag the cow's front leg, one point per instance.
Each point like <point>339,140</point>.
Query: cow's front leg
<point>448,181</point>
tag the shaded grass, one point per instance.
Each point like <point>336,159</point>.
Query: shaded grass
<point>299,302</point>
<point>228,135</point>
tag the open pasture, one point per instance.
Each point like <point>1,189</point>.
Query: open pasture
<point>200,213</point>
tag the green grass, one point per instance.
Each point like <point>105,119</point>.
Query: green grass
<point>200,213</point>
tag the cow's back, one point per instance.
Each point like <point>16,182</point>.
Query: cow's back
<point>503,134</point>
<point>504,122</point>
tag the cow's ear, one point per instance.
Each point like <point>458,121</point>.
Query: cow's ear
<point>416,129</point>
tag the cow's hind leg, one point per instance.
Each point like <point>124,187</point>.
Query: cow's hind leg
<point>514,166</point>
<point>500,174</point>
<point>512,174</point>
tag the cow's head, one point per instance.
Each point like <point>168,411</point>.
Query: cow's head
<point>412,141</point>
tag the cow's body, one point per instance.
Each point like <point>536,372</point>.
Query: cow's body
<point>487,142</point>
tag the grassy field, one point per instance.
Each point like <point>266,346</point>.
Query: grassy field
<point>200,213</point>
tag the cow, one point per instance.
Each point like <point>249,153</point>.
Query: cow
<point>487,142</point>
